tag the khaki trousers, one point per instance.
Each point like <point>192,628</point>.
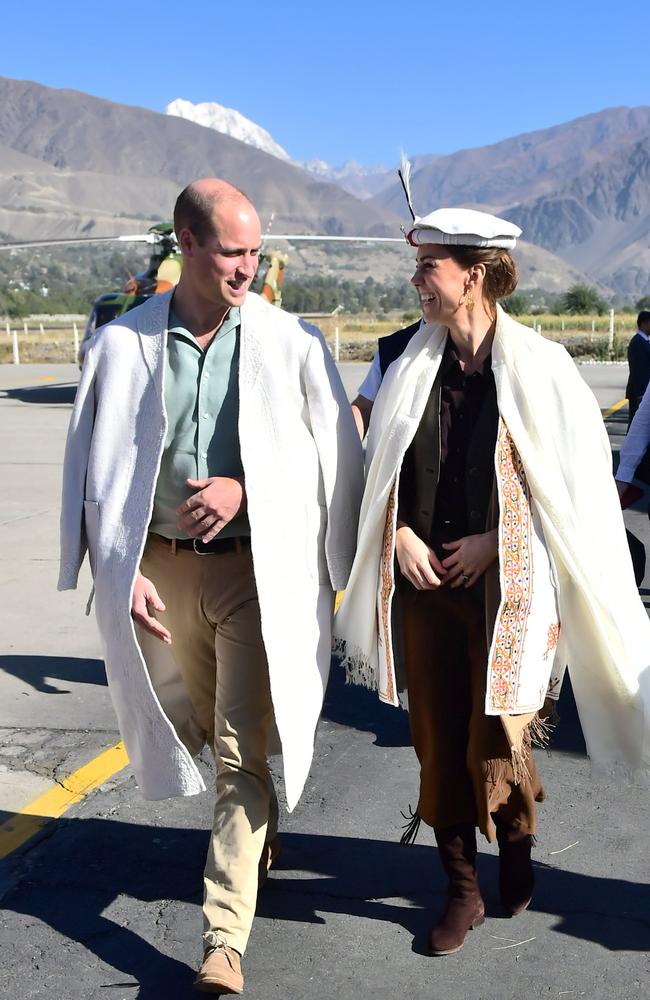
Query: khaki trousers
<point>214,619</point>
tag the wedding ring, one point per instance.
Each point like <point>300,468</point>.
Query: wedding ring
<point>465,578</point>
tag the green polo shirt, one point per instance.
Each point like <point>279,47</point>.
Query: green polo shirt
<point>202,404</point>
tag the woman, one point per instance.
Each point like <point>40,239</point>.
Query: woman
<point>491,552</point>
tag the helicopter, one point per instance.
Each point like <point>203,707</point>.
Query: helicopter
<point>166,262</point>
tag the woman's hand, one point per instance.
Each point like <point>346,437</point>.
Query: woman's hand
<point>470,557</point>
<point>417,562</point>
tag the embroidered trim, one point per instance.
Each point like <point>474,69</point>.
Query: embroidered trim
<point>387,551</point>
<point>516,573</point>
<point>552,639</point>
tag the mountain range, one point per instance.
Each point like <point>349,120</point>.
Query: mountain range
<point>353,177</point>
<point>74,164</point>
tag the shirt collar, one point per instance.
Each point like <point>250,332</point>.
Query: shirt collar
<point>451,358</point>
<point>231,320</point>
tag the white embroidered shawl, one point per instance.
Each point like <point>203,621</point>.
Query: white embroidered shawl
<point>553,420</point>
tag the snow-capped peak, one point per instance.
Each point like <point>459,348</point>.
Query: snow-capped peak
<point>230,122</point>
<point>353,177</point>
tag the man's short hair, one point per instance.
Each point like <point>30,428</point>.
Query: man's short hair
<point>643,318</point>
<point>194,210</point>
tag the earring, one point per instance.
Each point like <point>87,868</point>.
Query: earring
<point>469,301</point>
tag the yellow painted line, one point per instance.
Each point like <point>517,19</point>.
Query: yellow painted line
<point>46,378</point>
<point>53,803</point>
<point>612,409</point>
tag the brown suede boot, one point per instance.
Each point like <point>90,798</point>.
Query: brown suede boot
<point>516,878</point>
<point>465,909</point>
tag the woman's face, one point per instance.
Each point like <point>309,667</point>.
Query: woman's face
<point>440,282</point>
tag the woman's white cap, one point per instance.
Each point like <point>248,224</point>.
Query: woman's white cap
<point>463,227</point>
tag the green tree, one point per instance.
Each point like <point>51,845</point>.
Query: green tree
<point>582,299</point>
<point>643,303</point>
<point>516,304</point>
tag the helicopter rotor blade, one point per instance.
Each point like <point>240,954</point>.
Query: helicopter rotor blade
<point>150,238</point>
<point>270,238</point>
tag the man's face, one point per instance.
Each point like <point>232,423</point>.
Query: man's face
<point>222,269</point>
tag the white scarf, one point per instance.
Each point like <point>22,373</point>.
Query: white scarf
<point>554,421</point>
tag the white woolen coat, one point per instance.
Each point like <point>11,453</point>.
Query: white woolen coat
<point>303,472</point>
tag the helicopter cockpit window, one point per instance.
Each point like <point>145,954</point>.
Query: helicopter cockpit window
<point>106,311</point>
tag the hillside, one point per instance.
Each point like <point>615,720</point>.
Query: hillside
<point>72,164</point>
<point>580,190</point>
<point>116,162</point>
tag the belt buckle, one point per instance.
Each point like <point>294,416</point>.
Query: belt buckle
<point>198,551</point>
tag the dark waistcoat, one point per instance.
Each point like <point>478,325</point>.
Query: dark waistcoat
<point>421,467</point>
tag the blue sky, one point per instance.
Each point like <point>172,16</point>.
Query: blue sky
<point>346,80</point>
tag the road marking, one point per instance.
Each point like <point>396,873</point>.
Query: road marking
<point>53,803</point>
<point>612,409</point>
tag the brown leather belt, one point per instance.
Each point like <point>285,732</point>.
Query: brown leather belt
<point>217,546</point>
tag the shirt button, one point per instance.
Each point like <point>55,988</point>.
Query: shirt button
<point>205,416</point>
<point>474,471</point>
<point>474,514</point>
<point>204,454</point>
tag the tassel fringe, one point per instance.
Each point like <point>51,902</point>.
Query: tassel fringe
<point>538,733</point>
<point>541,731</point>
<point>358,668</point>
<point>411,827</point>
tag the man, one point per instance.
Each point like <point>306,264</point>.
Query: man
<point>214,474</point>
<point>638,359</point>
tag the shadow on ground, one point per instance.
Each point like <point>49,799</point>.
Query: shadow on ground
<point>357,708</point>
<point>39,671</point>
<point>317,875</point>
<point>52,394</point>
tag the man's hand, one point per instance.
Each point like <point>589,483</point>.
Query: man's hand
<point>145,597</point>
<point>417,562</point>
<point>470,557</point>
<point>217,501</point>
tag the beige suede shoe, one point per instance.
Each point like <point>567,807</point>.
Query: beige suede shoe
<point>220,971</point>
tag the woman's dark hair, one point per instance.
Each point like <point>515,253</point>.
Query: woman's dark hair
<point>501,273</point>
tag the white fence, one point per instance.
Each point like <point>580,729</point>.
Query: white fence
<point>37,327</point>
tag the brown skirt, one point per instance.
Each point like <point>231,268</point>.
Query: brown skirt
<point>466,772</point>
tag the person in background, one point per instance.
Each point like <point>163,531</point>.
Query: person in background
<point>632,456</point>
<point>388,349</point>
<point>491,553</point>
<point>638,359</point>
<point>213,472</point>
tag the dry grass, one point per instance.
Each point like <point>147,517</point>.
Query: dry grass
<point>54,346</point>
<point>358,335</point>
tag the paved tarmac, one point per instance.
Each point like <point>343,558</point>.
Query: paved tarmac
<point>105,903</point>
